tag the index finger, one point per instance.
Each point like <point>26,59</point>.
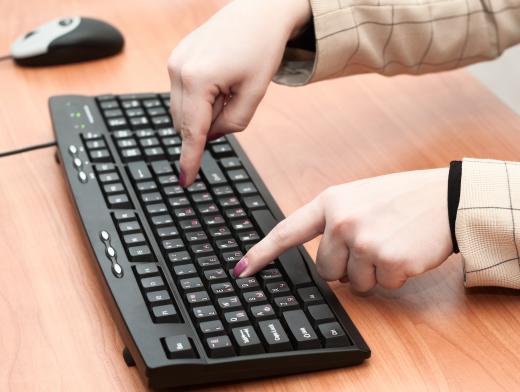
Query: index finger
<point>301,226</point>
<point>195,117</point>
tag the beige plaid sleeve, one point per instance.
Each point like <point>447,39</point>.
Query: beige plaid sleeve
<point>488,223</point>
<point>401,37</point>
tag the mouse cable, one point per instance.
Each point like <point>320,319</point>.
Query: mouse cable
<point>26,149</point>
<point>7,57</point>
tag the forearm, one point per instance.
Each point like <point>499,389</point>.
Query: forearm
<point>486,224</point>
<point>397,37</point>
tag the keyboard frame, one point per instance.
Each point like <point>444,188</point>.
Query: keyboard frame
<point>140,335</point>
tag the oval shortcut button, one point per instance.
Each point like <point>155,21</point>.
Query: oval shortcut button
<point>73,149</point>
<point>82,177</point>
<point>103,234</point>
<point>111,252</point>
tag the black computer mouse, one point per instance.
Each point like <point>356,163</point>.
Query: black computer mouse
<point>67,40</point>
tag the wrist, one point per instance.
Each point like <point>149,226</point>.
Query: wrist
<point>301,14</point>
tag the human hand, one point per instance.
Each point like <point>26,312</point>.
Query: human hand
<point>220,72</point>
<point>380,230</point>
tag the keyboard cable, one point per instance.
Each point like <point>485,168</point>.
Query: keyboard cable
<point>27,149</point>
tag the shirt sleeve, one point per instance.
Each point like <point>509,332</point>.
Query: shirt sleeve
<point>393,37</point>
<point>487,225</point>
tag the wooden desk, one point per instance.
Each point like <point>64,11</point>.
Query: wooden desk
<point>55,329</point>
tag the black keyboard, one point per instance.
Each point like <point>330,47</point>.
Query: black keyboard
<point>166,254</point>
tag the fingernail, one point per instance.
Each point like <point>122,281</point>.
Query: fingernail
<point>215,136</point>
<point>240,267</point>
<point>182,178</point>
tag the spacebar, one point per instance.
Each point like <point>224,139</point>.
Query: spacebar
<point>291,261</point>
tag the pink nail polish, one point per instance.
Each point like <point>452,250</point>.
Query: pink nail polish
<point>240,267</point>
<point>215,136</point>
<point>182,179</point>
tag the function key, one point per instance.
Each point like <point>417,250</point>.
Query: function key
<point>246,188</point>
<point>224,190</point>
<point>144,270</point>
<point>179,257</point>
<point>126,143</point>
<point>165,132</point>
<point>118,201</point>
<point>115,123</point>
<point>165,314</point>
<point>121,216</point>
<point>95,144</point>
<point>205,313</point>
<point>198,298</point>
<point>191,284</point>
<point>109,177</point>
<point>155,111</point>
<point>152,283</point>
<point>131,103</point>
<point>184,271</point>
<point>179,347</point>
<point>111,189</point>
<point>100,156</point>
<point>247,340</point>
<point>109,104</point>
<point>167,232</point>
<point>147,132</point>
<point>91,135</point>
<point>122,134</point>
<point>105,167</point>
<point>129,227</point>
<point>149,142</point>
<point>270,275</point>
<point>219,347</point>
<point>140,253</point>
<point>159,121</point>
<point>113,113</point>
<point>149,103</point>
<point>333,335</point>
<point>130,154</point>
<point>158,297</point>
<point>134,112</point>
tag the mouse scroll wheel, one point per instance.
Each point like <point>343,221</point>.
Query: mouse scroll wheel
<point>65,22</point>
<point>29,34</point>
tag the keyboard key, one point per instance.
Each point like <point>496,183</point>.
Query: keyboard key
<point>229,303</point>
<point>152,283</point>
<point>287,302</point>
<point>221,150</point>
<point>191,284</point>
<point>248,237</point>
<point>333,335</point>
<point>215,275</point>
<point>152,197</point>
<point>130,154</point>
<point>144,270</point>
<point>219,232</point>
<point>196,237</point>
<point>262,312</point>
<point>165,314</point>
<point>320,314</point>
<point>220,346</point>
<point>244,224</point>
<point>146,186</point>
<point>300,329</point>
<point>270,275</point>
<point>208,261</point>
<point>158,297</point>
<point>139,171</point>
<point>227,244</point>
<point>254,202</point>
<point>134,239</point>
<point>277,288</point>
<point>162,220</point>
<point>310,296</point>
<point>274,336</point>
<point>100,156</point>
<point>179,347</point>
<point>118,201</point>
<point>213,327</point>
<point>173,244</point>
<point>111,189</point>
<point>121,216</point>
<point>230,163</point>
<point>247,340</point>
<point>140,254</point>
<point>254,297</point>
<point>224,190</point>
<point>179,257</point>
<point>211,171</point>
<point>231,258</point>
<point>222,289</point>
<point>247,283</point>
<point>236,317</point>
<point>167,232</point>
<point>95,144</point>
<point>291,261</point>
<point>234,213</point>
<point>198,298</point>
<point>106,178</point>
<point>156,208</point>
<point>129,227</point>
<point>238,175</point>
<point>184,271</point>
<point>205,313</point>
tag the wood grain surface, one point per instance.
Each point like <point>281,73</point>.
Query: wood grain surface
<point>56,333</point>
